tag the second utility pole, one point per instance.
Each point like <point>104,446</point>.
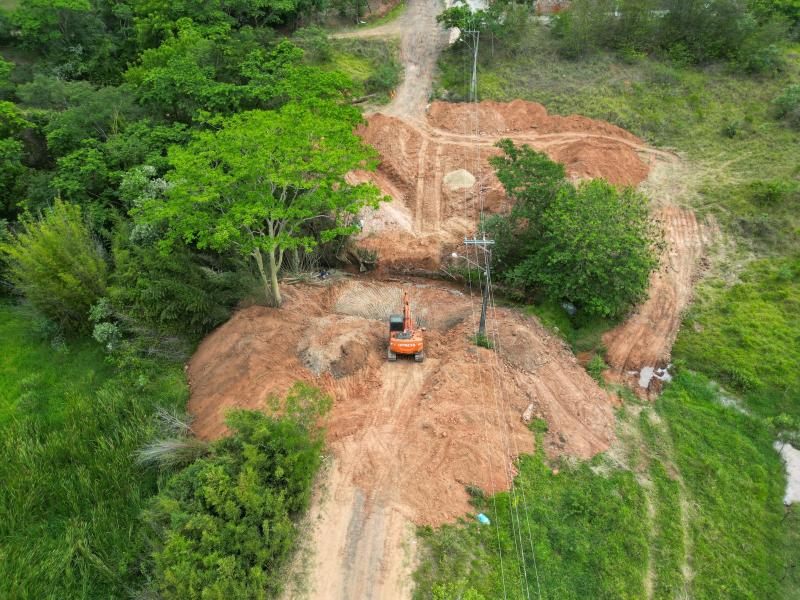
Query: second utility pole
<point>484,245</point>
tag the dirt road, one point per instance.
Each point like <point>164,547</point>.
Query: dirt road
<point>437,173</point>
<point>406,438</point>
<point>421,41</point>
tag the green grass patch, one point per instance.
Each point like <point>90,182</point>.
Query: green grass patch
<point>668,546</point>
<point>747,336</point>
<point>587,532</point>
<point>583,332</point>
<point>734,480</point>
<point>40,379</point>
<point>9,4</point>
<point>71,495</point>
<point>372,63</point>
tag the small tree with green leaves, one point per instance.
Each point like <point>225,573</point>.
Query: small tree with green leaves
<point>57,265</point>
<point>257,181</point>
<point>597,250</point>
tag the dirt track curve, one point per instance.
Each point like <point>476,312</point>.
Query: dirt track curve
<point>644,340</point>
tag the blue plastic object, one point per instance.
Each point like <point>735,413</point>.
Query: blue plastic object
<point>482,518</point>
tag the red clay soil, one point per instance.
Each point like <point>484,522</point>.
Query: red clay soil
<point>412,435</point>
<point>429,213</point>
<point>645,339</point>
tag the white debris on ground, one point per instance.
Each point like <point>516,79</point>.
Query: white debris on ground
<point>459,180</point>
<point>791,458</point>
<point>647,374</point>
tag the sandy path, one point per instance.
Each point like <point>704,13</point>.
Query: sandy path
<point>364,544</point>
<point>422,40</point>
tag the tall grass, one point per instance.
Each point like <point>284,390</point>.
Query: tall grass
<point>71,492</point>
<point>741,534</point>
<point>747,336</point>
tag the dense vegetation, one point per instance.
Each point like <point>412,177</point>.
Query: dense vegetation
<point>72,495</point>
<point>224,526</point>
<point>107,111</point>
<point>591,244</point>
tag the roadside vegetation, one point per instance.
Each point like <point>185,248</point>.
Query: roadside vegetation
<point>225,526</point>
<point>72,495</point>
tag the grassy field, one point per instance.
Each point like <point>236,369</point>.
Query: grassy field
<point>27,364</point>
<point>689,504</point>
<point>9,4</point>
<point>747,336</point>
<point>71,493</point>
<point>573,535</point>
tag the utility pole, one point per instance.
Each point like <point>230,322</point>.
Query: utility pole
<point>473,84</point>
<point>486,246</point>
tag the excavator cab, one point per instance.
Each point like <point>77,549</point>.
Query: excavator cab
<point>404,338</point>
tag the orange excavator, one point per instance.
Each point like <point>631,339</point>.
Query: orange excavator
<point>404,338</point>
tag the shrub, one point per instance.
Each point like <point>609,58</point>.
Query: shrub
<point>769,193</point>
<point>184,292</point>
<point>596,251</point>
<point>384,79</point>
<point>595,368</point>
<point>787,105</point>
<point>57,265</point>
<point>225,526</point>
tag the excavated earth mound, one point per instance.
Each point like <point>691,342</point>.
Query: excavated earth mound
<point>411,435</point>
<point>437,174</point>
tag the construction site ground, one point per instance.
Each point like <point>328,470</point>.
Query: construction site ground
<point>406,439</point>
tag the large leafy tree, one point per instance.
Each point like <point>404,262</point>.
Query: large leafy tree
<point>593,245</point>
<point>256,182</point>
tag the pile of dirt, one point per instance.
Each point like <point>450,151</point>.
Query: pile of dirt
<point>406,434</point>
<point>437,174</point>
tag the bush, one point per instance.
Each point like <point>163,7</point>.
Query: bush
<point>384,79</point>
<point>595,368</point>
<point>769,193</point>
<point>225,526</point>
<point>597,249</point>
<point>184,292</point>
<point>57,265</point>
<point>787,105</point>
<point>593,245</point>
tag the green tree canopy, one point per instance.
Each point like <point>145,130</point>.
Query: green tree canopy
<point>592,245</point>
<point>255,182</point>
<point>597,248</point>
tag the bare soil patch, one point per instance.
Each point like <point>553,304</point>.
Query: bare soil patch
<point>406,438</point>
<point>417,432</point>
<point>435,170</point>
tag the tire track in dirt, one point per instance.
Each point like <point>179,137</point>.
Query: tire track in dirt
<point>645,339</point>
<point>405,438</point>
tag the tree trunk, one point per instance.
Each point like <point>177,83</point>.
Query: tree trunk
<point>271,291</point>
<point>273,274</point>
